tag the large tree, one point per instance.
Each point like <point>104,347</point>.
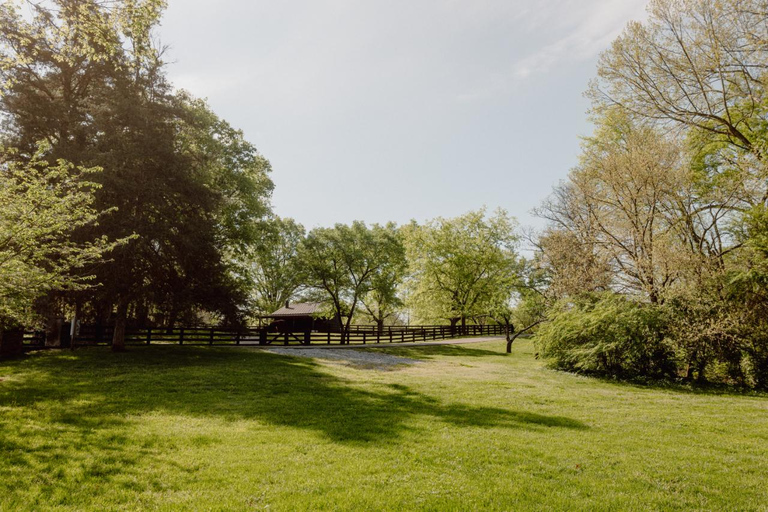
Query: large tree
<point>459,266</point>
<point>697,65</point>
<point>635,216</point>
<point>84,76</point>
<point>628,183</point>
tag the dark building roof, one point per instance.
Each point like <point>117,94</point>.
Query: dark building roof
<point>298,309</point>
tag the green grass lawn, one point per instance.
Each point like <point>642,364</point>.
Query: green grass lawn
<point>197,428</point>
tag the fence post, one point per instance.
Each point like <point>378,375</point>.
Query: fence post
<point>181,336</point>
<point>210,340</point>
<point>363,337</point>
<point>262,336</point>
<point>149,335</point>
<point>390,335</point>
<point>237,337</point>
<point>307,337</point>
<point>329,337</point>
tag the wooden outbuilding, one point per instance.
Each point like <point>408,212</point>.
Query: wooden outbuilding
<point>302,317</point>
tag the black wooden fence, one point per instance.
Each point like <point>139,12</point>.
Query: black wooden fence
<point>357,335</point>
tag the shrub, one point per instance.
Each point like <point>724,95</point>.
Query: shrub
<point>609,335</point>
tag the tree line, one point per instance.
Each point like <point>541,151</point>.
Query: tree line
<point>443,271</point>
<point>654,259</point>
<point>128,202</point>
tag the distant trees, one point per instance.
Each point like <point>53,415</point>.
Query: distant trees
<point>85,77</point>
<point>383,300</point>
<point>342,263</point>
<point>273,267</point>
<point>461,268</point>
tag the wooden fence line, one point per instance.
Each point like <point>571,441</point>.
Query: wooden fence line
<point>357,335</point>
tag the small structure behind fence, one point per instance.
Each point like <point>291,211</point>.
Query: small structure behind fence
<point>357,335</point>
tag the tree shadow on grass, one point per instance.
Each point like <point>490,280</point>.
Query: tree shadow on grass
<point>73,419</point>
<point>94,389</point>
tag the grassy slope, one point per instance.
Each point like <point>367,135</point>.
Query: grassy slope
<point>239,429</point>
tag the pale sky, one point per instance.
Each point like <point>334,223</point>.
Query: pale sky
<point>383,110</point>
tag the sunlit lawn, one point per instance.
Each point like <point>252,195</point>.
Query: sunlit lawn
<point>468,429</point>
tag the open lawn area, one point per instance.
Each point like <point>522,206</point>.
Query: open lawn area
<point>465,428</point>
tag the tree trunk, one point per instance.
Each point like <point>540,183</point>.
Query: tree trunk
<point>454,321</point>
<point>173,317</point>
<point>118,338</point>
<point>511,340</point>
<point>73,328</point>
<point>142,315</point>
<point>380,326</point>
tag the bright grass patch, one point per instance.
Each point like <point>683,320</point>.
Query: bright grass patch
<point>469,428</point>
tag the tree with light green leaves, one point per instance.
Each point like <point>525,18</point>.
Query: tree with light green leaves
<point>40,206</point>
<point>697,66</point>
<point>341,264</point>
<point>384,300</point>
<point>461,268</point>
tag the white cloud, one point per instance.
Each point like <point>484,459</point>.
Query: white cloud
<point>557,34</point>
<point>412,96</point>
<point>598,23</point>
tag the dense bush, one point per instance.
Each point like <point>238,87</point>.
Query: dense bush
<point>693,338</point>
<point>609,335</point>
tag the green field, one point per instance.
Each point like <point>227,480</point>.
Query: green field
<point>197,428</point>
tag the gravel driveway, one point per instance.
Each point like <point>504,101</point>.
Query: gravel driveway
<point>357,358</point>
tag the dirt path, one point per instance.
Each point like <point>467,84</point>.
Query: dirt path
<point>460,341</point>
<point>358,357</point>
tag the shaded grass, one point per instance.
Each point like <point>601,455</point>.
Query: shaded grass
<point>162,428</point>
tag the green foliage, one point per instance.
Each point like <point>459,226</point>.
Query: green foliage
<point>342,263</point>
<point>273,267</point>
<point>383,301</point>
<point>86,76</point>
<point>747,295</point>
<point>41,205</point>
<point>669,199</point>
<point>230,167</point>
<point>609,335</point>
<point>462,267</point>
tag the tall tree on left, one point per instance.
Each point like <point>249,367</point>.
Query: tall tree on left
<point>85,76</point>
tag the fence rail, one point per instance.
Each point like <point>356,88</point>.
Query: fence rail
<point>357,335</point>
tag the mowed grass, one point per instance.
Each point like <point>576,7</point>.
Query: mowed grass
<point>185,428</point>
